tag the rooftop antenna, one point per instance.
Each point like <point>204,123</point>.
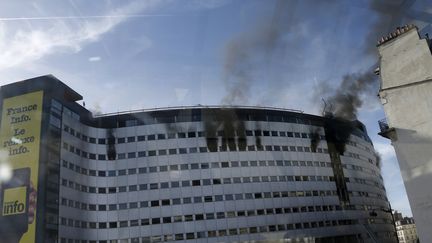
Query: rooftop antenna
<point>327,110</point>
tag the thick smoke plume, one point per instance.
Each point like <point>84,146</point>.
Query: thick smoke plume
<point>348,97</point>
<point>315,139</point>
<point>245,54</point>
<point>226,122</point>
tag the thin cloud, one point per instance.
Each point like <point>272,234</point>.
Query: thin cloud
<point>18,47</point>
<point>94,59</point>
<point>84,17</point>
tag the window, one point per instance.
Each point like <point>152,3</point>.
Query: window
<point>164,185</point>
<point>191,134</point>
<point>153,186</point>
<point>181,135</point>
<point>187,200</point>
<point>152,153</point>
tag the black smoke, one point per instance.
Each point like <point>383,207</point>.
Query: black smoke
<point>223,126</point>
<point>248,52</point>
<point>349,96</point>
<point>315,139</point>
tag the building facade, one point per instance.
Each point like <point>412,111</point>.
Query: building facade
<point>406,75</point>
<point>406,230</point>
<point>201,174</point>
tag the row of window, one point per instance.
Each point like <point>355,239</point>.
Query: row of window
<point>206,199</point>
<point>192,150</point>
<point>189,200</point>
<point>227,232</point>
<point>190,134</point>
<point>194,166</point>
<point>227,164</point>
<point>198,217</point>
<point>197,182</point>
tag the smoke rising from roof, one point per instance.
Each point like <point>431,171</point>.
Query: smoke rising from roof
<point>245,53</point>
<point>347,98</point>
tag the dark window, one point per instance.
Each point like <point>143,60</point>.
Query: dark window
<point>165,202</point>
<point>164,185</point>
<point>142,187</point>
<point>153,186</point>
<point>151,137</point>
<point>191,134</point>
<point>131,139</point>
<point>203,149</point>
<point>155,221</point>
<point>196,183</point>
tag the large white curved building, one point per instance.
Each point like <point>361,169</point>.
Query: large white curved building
<point>203,174</point>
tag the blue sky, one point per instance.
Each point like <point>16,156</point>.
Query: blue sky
<point>123,55</point>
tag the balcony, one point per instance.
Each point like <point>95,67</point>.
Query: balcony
<point>385,130</point>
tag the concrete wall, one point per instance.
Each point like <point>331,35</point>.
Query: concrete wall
<point>406,88</point>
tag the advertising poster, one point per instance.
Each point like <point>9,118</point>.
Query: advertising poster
<point>19,162</point>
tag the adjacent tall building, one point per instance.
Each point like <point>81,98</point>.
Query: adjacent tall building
<point>406,88</point>
<point>187,174</point>
<point>406,230</point>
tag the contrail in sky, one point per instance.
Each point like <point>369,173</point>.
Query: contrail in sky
<point>85,17</point>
